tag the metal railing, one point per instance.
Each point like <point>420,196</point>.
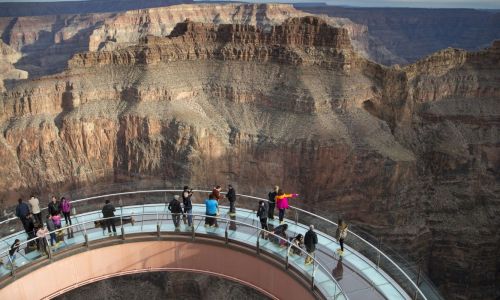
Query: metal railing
<point>158,219</point>
<point>379,259</point>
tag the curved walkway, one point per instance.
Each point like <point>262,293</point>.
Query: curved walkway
<point>357,276</point>
<point>140,256</point>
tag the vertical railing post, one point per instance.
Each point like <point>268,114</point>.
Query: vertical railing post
<point>142,217</point>
<point>313,273</point>
<point>418,278</point>
<point>226,236</point>
<point>157,225</point>
<point>193,234</point>
<point>165,209</point>
<point>296,217</point>
<point>11,265</point>
<point>86,237</point>
<point>258,244</point>
<point>378,252</point>
<point>46,245</point>
<point>121,220</point>
<point>288,255</point>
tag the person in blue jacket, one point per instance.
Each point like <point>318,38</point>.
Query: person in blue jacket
<point>212,209</point>
<point>22,211</point>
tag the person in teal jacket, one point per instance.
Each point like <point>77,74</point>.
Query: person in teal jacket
<point>212,209</point>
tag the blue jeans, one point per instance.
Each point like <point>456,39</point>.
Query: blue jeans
<point>52,238</point>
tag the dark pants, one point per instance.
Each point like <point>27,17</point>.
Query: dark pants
<point>211,221</point>
<point>43,246</point>
<point>31,244</point>
<point>341,244</point>
<point>263,224</point>
<point>177,219</point>
<point>270,213</point>
<point>67,218</point>
<point>110,223</point>
<point>282,214</point>
<point>25,223</point>
<point>38,217</point>
<point>232,207</point>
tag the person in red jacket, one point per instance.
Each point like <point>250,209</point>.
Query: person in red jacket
<point>282,203</point>
<point>216,193</point>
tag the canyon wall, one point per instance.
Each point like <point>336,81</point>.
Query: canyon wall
<point>48,42</point>
<point>413,33</point>
<point>8,57</point>
<point>410,154</point>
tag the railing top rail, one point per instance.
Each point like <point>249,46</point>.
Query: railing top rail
<point>256,198</point>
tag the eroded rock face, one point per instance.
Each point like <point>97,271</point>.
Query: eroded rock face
<point>199,41</point>
<point>411,154</point>
<point>164,285</point>
<point>8,57</point>
<point>413,33</point>
<point>48,42</point>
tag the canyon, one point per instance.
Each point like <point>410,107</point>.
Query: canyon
<point>413,33</point>
<point>164,285</point>
<point>47,42</point>
<point>258,95</point>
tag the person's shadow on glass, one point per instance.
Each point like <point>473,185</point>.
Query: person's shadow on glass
<point>338,272</point>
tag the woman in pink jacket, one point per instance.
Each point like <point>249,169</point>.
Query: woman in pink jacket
<point>282,203</point>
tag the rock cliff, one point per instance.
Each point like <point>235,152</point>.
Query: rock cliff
<point>411,154</point>
<point>410,34</point>
<point>48,42</point>
<point>8,57</point>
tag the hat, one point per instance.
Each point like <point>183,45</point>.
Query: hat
<point>176,197</point>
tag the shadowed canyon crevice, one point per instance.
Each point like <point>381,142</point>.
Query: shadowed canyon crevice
<point>164,285</point>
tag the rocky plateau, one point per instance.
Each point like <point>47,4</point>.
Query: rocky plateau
<point>258,95</point>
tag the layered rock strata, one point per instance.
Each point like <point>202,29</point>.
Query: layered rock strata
<point>411,154</point>
<point>48,42</point>
<point>410,34</point>
<point>8,57</point>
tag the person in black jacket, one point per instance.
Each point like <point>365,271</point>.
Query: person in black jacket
<point>272,202</point>
<point>231,196</point>
<point>310,241</point>
<point>280,231</point>
<point>188,205</point>
<point>54,206</point>
<point>12,252</point>
<point>262,214</point>
<point>175,208</point>
<point>108,212</point>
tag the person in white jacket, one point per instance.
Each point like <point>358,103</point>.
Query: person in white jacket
<point>35,209</point>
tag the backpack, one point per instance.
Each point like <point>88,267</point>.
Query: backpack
<point>175,206</point>
<point>57,220</point>
<point>260,211</point>
<point>66,206</point>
